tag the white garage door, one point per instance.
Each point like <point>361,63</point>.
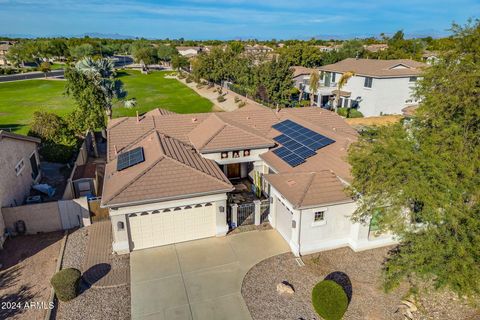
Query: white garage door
<point>284,221</point>
<point>161,227</point>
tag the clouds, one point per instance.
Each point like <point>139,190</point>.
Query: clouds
<point>230,18</point>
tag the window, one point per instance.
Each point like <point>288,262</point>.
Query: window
<point>412,79</point>
<point>33,162</point>
<point>19,167</point>
<point>368,82</point>
<point>334,76</point>
<point>319,216</point>
<point>224,155</point>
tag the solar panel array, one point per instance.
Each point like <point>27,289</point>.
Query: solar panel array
<point>130,158</point>
<point>298,143</point>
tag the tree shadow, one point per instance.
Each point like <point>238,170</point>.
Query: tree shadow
<point>19,248</point>
<point>10,277</point>
<point>343,280</point>
<point>93,275</point>
<point>11,127</point>
<point>13,303</point>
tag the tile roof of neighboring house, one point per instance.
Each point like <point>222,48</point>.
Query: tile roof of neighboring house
<point>376,47</point>
<point>158,112</point>
<point>299,70</point>
<point>171,170</point>
<point>188,48</point>
<point>241,129</point>
<point>309,189</point>
<point>377,68</point>
<point>5,134</point>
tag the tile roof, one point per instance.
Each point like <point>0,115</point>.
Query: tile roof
<point>171,170</point>
<point>308,189</point>
<point>377,68</point>
<point>207,132</point>
<point>299,70</point>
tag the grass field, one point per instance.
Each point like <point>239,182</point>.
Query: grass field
<point>20,99</point>
<point>154,90</point>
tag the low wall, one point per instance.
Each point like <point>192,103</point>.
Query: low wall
<point>42,217</point>
<point>49,216</point>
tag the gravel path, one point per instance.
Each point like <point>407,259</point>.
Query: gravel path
<point>92,303</point>
<point>364,271</point>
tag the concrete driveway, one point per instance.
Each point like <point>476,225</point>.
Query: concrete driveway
<point>199,279</point>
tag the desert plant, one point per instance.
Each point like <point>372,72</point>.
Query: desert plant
<point>65,283</point>
<point>236,99</point>
<point>130,103</point>
<point>221,98</point>
<point>329,300</point>
<point>188,79</point>
<point>242,104</point>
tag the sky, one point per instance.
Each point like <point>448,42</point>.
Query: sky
<point>233,19</point>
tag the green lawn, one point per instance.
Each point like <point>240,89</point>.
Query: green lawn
<point>20,99</point>
<point>153,90</point>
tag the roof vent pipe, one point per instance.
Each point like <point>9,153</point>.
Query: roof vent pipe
<point>138,118</point>
<point>194,120</point>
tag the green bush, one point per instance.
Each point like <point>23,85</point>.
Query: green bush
<point>242,104</point>
<point>354,113</point>
<point>236,99</point>
<point>221,98</point>
<point>329,300</point>
<point>65,283</point>
<point>188,79</point>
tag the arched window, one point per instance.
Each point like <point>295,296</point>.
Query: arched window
<point>155,211</point>
<point>132,215</point>
<point>144,213</point>
<point>177,209</point>
<point>167,210</point>
<point>208,204</point>
<point>198,206</point>
<point>120,226</point>
<point>187,207</point>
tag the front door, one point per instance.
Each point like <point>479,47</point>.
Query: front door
<point>233,170</point>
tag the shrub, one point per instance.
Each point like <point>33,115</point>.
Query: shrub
<point>210,86</point>
<point>354,113</point>
<point>58,141</point>
<point>221,98</point>
<point>242,104</point>
<point>188,79</point>
<point>199,86</point>
<point>329,300</point>
<point>65,283</point>
<point>236,99</point>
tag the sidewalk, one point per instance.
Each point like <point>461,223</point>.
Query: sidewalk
<point>228,105</point>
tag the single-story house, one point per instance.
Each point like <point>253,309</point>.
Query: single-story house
<point>169,176</point>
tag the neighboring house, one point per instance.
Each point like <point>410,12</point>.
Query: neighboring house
<point>430,57</point>
<point>168,176</point>
<point>257,49</point>
<point>378,87</point>
<point>19,169</point>
<point>376,47</point>
<point>301,76</point>
<point>189,51</point>
<point>4,47</point>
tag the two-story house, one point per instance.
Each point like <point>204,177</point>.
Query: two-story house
<point>19,169</point>
<point>377,87</point>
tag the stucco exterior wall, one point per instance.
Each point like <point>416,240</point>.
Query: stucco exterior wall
<point>14,188</point>
<point>42,217</point>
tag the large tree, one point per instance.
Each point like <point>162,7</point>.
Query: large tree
<point>420,178</point>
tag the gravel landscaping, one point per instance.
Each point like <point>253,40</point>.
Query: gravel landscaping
<point>364,271</point>
<point>92,303</point>
<point>28,263</point>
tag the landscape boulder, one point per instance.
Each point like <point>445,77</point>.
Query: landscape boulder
<point>285,287</point>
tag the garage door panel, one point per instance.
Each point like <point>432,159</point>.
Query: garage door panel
<point>172,226</point>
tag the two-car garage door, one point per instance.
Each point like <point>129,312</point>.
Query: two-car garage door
<point>162,227</point>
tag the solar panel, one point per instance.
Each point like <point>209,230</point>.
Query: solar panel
<point>298,142</point>
<point>287,156</point>
<point>130,158</point>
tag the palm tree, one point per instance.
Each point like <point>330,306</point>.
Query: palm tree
<point>102,73</point>
<point>314,84</point>
<point>342,82</point>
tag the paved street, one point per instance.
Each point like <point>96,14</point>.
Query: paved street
<point>199,279</point>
